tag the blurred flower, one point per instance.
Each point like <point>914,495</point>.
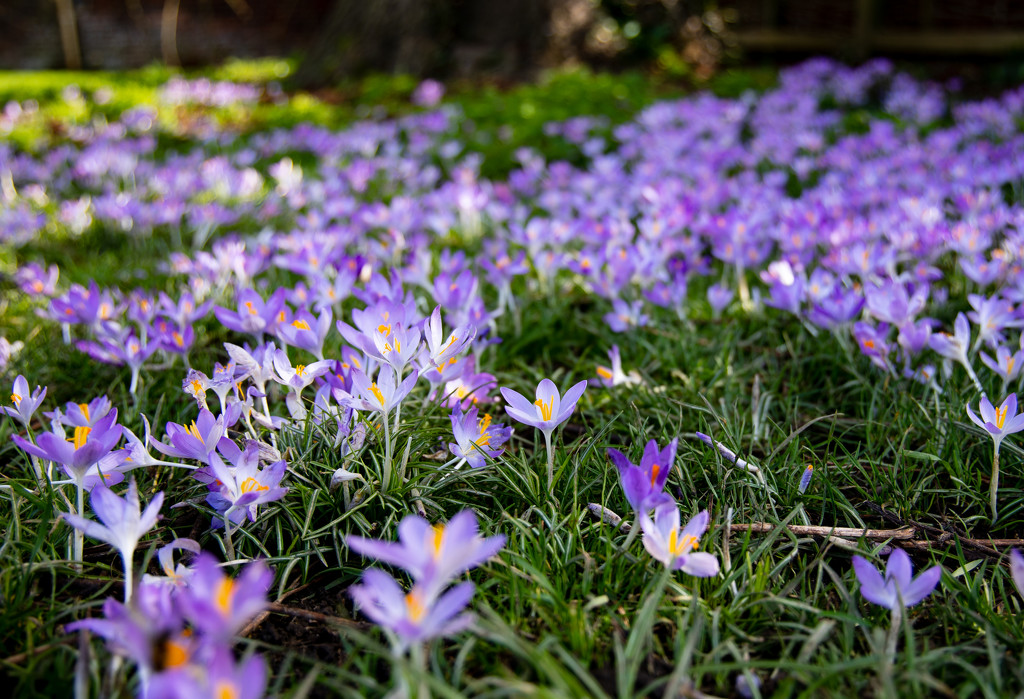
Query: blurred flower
<point>898,588</point>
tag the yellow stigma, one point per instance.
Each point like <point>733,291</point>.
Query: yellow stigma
<point>377,394</point>
<point>197,387</point>
<point>1001,416</point>
<point>251,484</point>
<point>225,589</point>
<point>37,286</point>
<point>604,373</point>
<point>655,470</point>
<point>226,690</point>
<point>438,539</point>
<point>84,407</point>
<point>384,330</point>
<point>1009,365</point>
<point>678,547</point>
<point>414,606</point>
<point>194,431</point>
<point>178,339</point>
<point>252,311</point>
<point>300,324</point>
<point>16,399</point>
<point>300,369</point>
<point>545,408</point>
<point>81,436</point>
<point>173,655</point>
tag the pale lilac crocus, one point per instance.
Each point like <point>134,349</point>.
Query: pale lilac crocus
<point>218,605</point>
<point>675,547</point>
<point>433,554</point>
<point>1017,570</point>
<point>956,346</point>
<point>546,413</point>
<point>24,403</point>
<point>897,589</point>
<point>441,350</point>
<point>614,375</point>
<point>413,617</point>
<point>476,440</point>
<point>122,523</point>
<point>383,395</point>
<point>999,423</point>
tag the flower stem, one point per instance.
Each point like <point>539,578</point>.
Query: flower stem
<point>551,460</point>
<point>128,579</point>
<point>79,534</point>
<point>229,547</point>
<point>386,475</point>
<point>894,633</point>
<point>994,485</point>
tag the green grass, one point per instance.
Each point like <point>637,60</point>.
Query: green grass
<point>564,611</point>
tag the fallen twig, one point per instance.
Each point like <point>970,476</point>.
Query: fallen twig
<point>844,532</point>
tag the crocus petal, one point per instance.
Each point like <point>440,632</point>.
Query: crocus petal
<point>700,565</point>
<point>921,587</point>
<point>899,569</point>
<point>1017,570</point>
<point>518,401</point>
<point>872,585</point>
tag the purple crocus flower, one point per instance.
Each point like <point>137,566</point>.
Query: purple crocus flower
<point>241,489</point>
<point>24,403</point>
<point>471,388</point>
<point>443,350</point>
<point>898,588</point>
<point>1017,570</point>
<point>643,484</point>
<point>34,281</point>
<point>121,524</point>
<point>87,446</point>
<point>432,554</point>
<point>999,423</point>
<point>546,413</point>
<point>383,394</point>
<point>254,315</point>
<point>676,548</point>
<point>219,677</point>
<point>549,410</point>
<point>476,439</point>
<point>956,346</point>
<point>219,606</point>
<point>149,630</point>
<point>83,414</point>
<point>196,441</point>
<point>307,332</point>
<point>625,316</point>
<point>414,617</point>
<point>719,296</point>
<point>614,376</point>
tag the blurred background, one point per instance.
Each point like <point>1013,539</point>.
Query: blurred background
<point>331,40</point>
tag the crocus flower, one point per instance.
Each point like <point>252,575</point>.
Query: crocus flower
<point>476,439</point>
<point>643,484</point>
<point>433,554</point>
<point>382,395</point>
<point>121,523</point>
<point>196,441</point>
<point>614,376</point>
<point>955,347</point>
<point>241,489</point>
<point>805,479</point>
<point>625,316</point>
<point>83,450</point>
<point>23,403</point>
<point>175,575</point>
<point>443,350</point>
<point>414,617</point>
<point>307,332</point>
<point>149,630</point>
<point>898,588</point>
<point>998,422</point>
<point>218,605</point>
<point>297,378</point>
<point>546,413</point>
<point>1017,570</point>
<point>218,677</point>
<point>677,548</point>
<point>254,316</point>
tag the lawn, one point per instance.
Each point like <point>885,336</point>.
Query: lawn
<point>761,332</point>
